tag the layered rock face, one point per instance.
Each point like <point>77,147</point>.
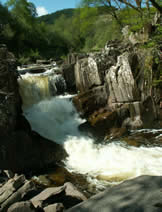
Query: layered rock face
<point>116,88</point>
<point>20,148</point>
<point>10,102</point>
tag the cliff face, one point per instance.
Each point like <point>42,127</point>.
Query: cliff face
<point>116,87</point>
<point>10,102</point>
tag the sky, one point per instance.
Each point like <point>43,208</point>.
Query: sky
<point>49,6</point>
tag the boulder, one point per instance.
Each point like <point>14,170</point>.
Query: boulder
<point>90,101</point>
<point>72,191</point>
<point>48,196</point>
<point>67,194</point>
<point>22,152</point>
<point>26,206</point>
<point>140,194</point>
<point>117,133</point>
<point>58,207</point>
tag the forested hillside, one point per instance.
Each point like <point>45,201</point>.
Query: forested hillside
<point>51,18</point>
<point>83,29</point>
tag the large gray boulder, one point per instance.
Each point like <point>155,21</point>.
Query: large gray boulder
<point>140,194</point>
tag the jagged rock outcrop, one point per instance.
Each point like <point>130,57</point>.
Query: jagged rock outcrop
<point>20,148</point>
<point>69,76</point>
<point>127,100</point>
<point>68,70</point>
<point>14,190</point>
<point>21,195</point>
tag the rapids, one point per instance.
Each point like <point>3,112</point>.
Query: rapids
<point>56,119</point>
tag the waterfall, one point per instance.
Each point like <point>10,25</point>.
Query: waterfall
<point>37,87</point>
<point>56,119</point>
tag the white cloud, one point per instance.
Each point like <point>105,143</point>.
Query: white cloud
<point>41,11</point>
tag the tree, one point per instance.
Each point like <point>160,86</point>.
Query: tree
<point>157,5</point>
<point>114,5</point>
<point>112,8</point>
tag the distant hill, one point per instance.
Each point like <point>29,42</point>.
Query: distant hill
<point>51,18</point>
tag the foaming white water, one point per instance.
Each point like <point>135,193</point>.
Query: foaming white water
<point>112,162</point>
<point>57,120</point>
<point>37,87</point>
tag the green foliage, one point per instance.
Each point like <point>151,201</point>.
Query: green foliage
<point>29,57</point>
<point>51,18</point>
<point>85,29</point>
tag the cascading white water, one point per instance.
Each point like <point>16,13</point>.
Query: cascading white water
<point>57,120</point>
<point>37,87</point>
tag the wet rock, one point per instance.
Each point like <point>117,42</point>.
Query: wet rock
<point>144,137</point>
<point>58,207</point>
<point>23,152</point>
<point>103,121</point>
<point>87,129</point>
<point>117,133</point>
<point>132,142</point>
<point>69,76</point>
<point>90,101</point>
<point>22,207</point>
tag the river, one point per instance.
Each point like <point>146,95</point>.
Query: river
<point>55,118</point>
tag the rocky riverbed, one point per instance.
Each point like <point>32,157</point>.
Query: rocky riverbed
<point>117,97</point>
